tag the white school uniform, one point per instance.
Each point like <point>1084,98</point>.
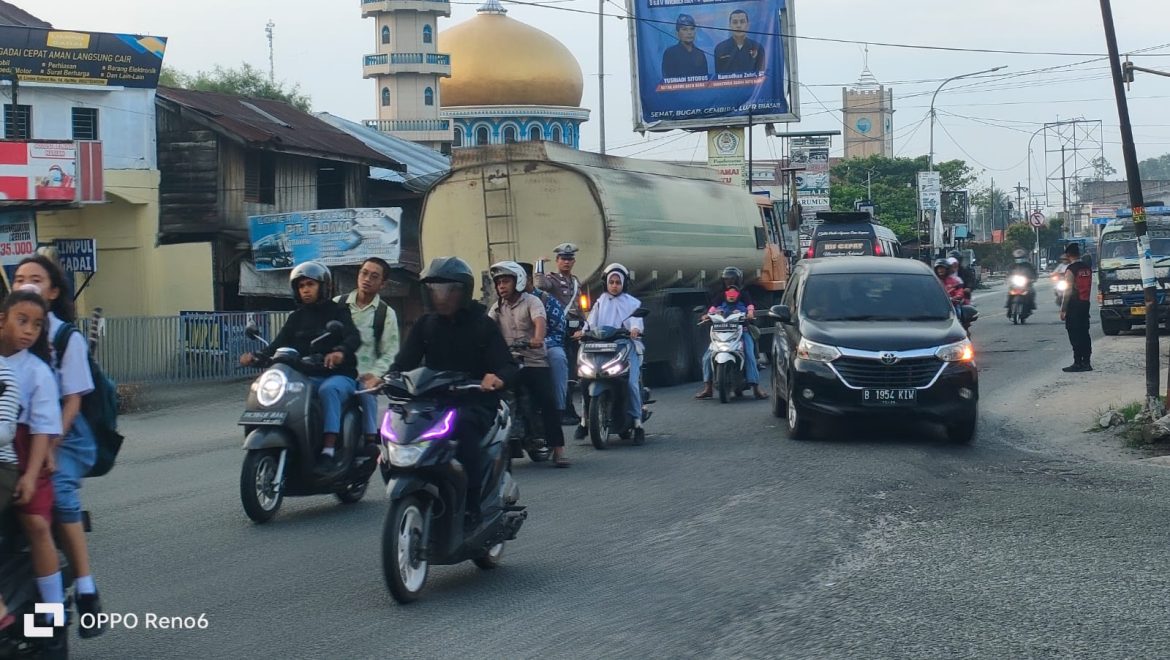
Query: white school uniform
<point>73,377</point>
<point>40,402</point>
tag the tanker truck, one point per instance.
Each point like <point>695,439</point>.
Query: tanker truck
<point>674,226</point>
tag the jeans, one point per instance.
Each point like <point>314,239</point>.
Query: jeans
<point>369,413</point>
<point>1076,322</point>
<point>558,366</point>
<point>635,400</point>
<point>752,370</point>
<point>75,456</point>
<point>333,391</point>
<point>535,380</point>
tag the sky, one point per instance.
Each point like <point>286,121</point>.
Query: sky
<point>986,121</point>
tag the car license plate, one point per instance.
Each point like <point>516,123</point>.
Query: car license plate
<point>1138,310</point>
<point>599,348</point>
<point>889,397</point>
<point>263,417</point>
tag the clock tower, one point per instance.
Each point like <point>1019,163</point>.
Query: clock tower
<point>868,115</point>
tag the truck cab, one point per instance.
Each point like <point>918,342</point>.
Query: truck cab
<point>1119,282</point>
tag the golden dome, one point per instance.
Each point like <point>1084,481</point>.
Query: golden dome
<point>496,60</point>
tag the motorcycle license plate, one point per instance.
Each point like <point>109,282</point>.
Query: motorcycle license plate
<point>889,397</point>
<point>725,327</point>
<point>600,348</point>
<point>263,417</point>
<point>1137,311</point>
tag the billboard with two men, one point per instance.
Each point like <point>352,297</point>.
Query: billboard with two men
<point>705,63</point>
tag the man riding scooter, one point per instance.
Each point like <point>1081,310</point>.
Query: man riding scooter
<point>1022,268</point>
<point>312,287</point>
<point>732,277</point>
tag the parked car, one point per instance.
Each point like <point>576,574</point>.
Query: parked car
<point>872,337</point>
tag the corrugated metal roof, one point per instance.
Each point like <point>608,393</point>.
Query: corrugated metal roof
<point>423,165</point>
<point>272,125</point>
<point>12,15</point>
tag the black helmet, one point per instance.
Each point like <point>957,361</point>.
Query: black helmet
<point>955,254</point>
<point>316,271</point>
<point>734,274</point>
<point>448,270</point>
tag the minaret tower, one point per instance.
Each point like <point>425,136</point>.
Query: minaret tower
<point>868,116</point>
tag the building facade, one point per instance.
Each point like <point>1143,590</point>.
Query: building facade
<point>868,118</point>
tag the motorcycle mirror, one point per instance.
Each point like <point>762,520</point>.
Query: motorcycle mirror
<point>252,332</point>
<point>699,309</point>
<point>640,313</point>
<point>334,327</point>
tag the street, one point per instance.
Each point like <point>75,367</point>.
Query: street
<point>718,538</point>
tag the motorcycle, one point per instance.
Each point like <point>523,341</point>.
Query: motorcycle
<point>21,596</point>
<point>728,359</point>
<point>282,424</point>
<point>1059,286</point>
<point>1019,288</point>
<point>427,487</point>
<point>527,434</point>
<point>603,367</point>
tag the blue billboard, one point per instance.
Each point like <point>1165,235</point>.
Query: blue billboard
<point>338,237</point>
<point>711,63</point>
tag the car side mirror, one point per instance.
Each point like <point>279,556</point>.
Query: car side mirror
<point>781,313</point>
<point>252,332</point>
<point>640,313</point>
<point>699,309</point>
<point>968,314</point>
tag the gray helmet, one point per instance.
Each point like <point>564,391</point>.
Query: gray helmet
<point>316,271</point>
<point>734,274</point>
<point>448,270</point>
<point>1020,254</point>
<point>942,263</point>
<point>955,254</point>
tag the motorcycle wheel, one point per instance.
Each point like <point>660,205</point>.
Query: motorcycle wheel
<point>539,455</point>
<point>491,557</point>
<point>352,493</point>
<point>403,567</point>
<point>724,381</point>
<point>258,493</point>
<point>599,413</point>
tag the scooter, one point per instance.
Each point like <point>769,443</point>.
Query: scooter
<point>603,366</point>
<point>428,485</point>
<point>50,637</point>
<point>1059,286</point>
<point>282,425</point>
<point>728,358</point>
<point>1019,286</point>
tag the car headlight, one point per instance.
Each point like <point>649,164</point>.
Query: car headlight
<point>1062,285</point>
<point>810,350</point>
<point>963,351</point>
<point>405,455</point>
<point>1019,281</point>
<point>271,388</point>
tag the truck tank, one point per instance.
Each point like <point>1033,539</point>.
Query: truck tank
<point>675,227</point>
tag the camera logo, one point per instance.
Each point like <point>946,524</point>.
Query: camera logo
<point>31,629</point>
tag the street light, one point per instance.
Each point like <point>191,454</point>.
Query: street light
<point>965,75</point>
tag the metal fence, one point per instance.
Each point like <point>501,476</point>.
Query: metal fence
<point>190,347</point>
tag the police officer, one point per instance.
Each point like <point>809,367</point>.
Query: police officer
<point>566,288</point>
<point>1074,311</point>
<point>684,60</point>
<point>739,54</point>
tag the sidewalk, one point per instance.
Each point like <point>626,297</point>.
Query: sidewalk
<point>143,399</point>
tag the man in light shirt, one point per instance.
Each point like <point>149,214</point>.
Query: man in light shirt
<point>378,325</point>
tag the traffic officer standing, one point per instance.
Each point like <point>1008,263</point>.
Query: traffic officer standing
<point>566,288</point>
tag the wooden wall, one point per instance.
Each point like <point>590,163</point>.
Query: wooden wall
<point>188,163</point>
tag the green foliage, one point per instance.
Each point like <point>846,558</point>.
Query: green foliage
<point>893,182</point>
<point>1155,168</point>
<point>247,80</point>
<point>1102,169</point>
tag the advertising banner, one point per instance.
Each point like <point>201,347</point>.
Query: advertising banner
<point>930,204</point>
<point>80,58</point>
<point>77,255</point>
<point>725,155</point>
<point>335,238</point>
<point>706,63</point>
<point>812,184</point>
<point>18,239</point>
<point>45,171</point>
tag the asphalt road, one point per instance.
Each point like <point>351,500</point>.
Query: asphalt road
<point>718,538</point>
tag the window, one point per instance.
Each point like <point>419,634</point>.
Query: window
<point>569,136</point>
<point>556,134</point>
<point>85,123</point>
<point>385,97</point>
<point>458,139</point>
<point>427,34</point>
<point>481,136</point>
<point>509,134</point>
<point>260,177</point>
<point>330,185</point>
<point>535,134</point>
<point>18,122</point>
<point>386,34</point>
<point>429,96</point>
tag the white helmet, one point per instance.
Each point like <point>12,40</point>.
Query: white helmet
<point>509,269</point>
<point>619,269</point>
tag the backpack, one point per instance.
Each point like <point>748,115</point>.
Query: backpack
<point>380,314</point>
<point>99,407</point>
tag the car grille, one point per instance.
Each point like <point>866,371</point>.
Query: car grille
<point>911,372</point>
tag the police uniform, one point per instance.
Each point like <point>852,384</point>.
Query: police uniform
<point>678,62</point>
<point>732,59</point>
<point>566,289</point>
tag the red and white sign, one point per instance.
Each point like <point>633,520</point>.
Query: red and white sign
<point>51,172</point>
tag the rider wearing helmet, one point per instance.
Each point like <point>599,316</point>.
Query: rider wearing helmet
<point>950,282</point>
<point>523,322</point>
<point>729,278</point>
<point>966,272</point>
<point>312,288</point>
<point>1022,267</point>
<point>455,334</point>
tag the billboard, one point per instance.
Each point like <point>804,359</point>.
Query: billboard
<point>47,171</point>
<point>337,237</point>
<point>712,63</point>
<point>930,204</point>
<point>812,183</point>
<point>80,58</point>
<point>18,239</point>
<point>725,155</point>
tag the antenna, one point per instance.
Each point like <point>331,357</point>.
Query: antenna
<point>271,61</point>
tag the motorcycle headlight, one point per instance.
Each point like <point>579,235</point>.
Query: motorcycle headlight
<point>1062,285</point>
<point>1019,281</point>
<point>963,351</point>
<point>585,369</point>
<point>271,387</point>
<point>405,455</point>
<point>615,369</point>
<point>810,350</point>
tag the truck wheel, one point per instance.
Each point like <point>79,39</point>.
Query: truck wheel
<point>1113,328</point>
<point>678,369</point>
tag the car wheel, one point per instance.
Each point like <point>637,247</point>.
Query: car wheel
<point>779,403</point>
<point>799,421</point>
<point>963,433</point>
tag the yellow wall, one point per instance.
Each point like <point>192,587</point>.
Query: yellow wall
<point>134,278</point>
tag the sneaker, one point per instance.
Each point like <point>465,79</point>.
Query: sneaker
<point>89,604</point>
<point>1074,368</point>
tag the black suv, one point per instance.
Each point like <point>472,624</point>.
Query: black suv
<point>868,336</point>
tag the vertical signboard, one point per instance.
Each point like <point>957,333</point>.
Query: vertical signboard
<point>725,155</point>
<point>812,184</point>
<point>705,63</point>
<point>18,239</point>
<point>930,205</point>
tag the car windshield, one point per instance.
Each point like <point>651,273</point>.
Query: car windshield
<point>874,297</point>
<point>1123,245</point>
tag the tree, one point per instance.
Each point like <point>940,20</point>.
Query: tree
<point>1101,169</point>
<point>247,80</point>
<point>893,184</point>
<point>1154,169</point>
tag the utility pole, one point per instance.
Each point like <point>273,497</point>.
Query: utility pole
<point>1133,176</point>
<point>271,57</point>
<point>1020,200</point>
<point>601,70</point>
<point>1064,192</point>
<point>869,185</point>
